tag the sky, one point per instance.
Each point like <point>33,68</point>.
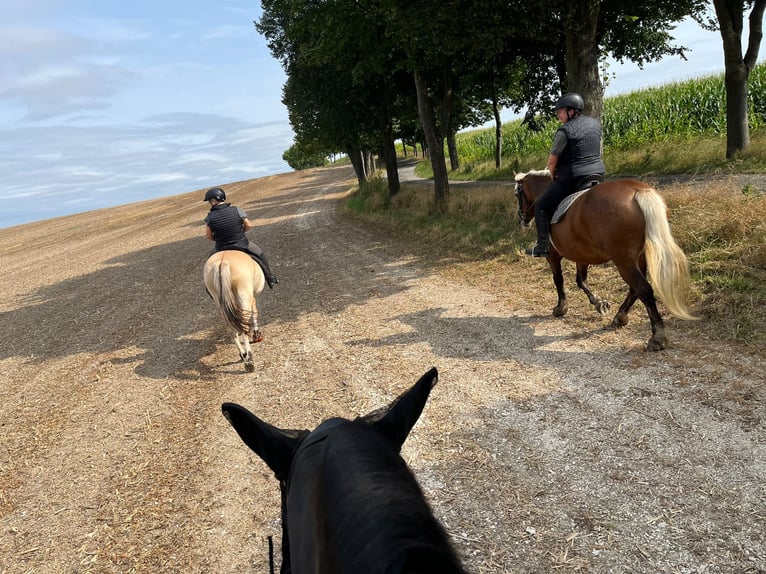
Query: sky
<point>107,103</point>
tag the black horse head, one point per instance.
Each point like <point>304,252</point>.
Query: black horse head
<point>349,502</point>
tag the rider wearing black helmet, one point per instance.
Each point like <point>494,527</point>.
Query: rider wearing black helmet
<point>575,155</point>
<point>226,225</point>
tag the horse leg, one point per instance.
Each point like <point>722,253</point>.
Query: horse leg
<point>621,318</point>
<point>255,332</point>
<point>554,260</point>
<point>599,304</point>
<point>245,352</point>
<point>640,288</point>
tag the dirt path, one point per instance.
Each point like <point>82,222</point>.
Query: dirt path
<point>548,445</point>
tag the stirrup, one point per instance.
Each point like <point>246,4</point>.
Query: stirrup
<point>538,251</point>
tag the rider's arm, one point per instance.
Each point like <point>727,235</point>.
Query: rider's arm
<point>551,165</point>
<point>209,233</point>
<point>559,143</point>
<point>246,224</point>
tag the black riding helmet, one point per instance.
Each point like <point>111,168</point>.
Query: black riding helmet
<point>571,100</point>
<point>215,193</point>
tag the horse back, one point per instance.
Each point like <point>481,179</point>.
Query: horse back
<point>603,224</point>
<point>354,506</point>
<point>616,191</point>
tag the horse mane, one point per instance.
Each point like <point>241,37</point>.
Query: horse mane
<point>537,172</point>
<point>373,500</point>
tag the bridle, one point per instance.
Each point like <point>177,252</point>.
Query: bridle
<point>524,204</point>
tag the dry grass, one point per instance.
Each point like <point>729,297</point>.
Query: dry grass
<point>722,229</point>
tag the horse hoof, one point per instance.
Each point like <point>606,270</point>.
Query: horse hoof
<point>257,337</point>
<point>655,345</point>
<point>602,307</point>
<point>559,311</point>
<point>619,321</point>
<point>249,367</point>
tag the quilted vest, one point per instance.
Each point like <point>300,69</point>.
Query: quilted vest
<point>582,155</point>
<point>226,225</point>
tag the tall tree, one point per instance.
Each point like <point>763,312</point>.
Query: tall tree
<point>343,83</point>
<point>511,63</point>
<point>626,29</point>
<point>737,67</point>
<point>448,44</point>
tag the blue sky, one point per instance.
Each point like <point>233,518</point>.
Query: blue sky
<point>105,103</point>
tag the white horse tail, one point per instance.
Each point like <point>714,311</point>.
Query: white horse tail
<point>666,261</point>
<point>228,302</point>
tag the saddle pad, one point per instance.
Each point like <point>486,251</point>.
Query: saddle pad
<point>565,204</point>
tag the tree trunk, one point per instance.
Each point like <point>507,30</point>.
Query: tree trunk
<point>582,55</point>
<point>355,155</point>
<point>389,157</point>
<point>435,143</point>
<point>369,164</point>
<point>737,129</point>
<point>730,14</point>
<point>498,132</point>
<point>454,159</point>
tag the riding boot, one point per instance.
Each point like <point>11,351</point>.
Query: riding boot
<point>271,280</point>
<point>543,225</point>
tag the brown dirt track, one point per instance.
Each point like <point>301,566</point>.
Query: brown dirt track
<point>549,445</point>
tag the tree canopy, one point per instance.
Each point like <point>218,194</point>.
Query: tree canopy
<point>361,73</point>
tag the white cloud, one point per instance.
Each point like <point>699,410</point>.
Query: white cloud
<point>50,73</point>
<point>227,31</point>
<point>78,168</point>
<point>104,103</point>
<point>109,31</point>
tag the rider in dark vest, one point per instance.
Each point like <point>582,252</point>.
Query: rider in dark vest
<point>226,225</point>
<point>575,156</point>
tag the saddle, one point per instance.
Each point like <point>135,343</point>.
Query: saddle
<point>582,185</point>
<point>252,255</point>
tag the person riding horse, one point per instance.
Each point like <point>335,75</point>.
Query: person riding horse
<point>226,224</point>
<point>575,155</point>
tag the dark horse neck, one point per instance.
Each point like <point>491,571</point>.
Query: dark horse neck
<point>374,516</point>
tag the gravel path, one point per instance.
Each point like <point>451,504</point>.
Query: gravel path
<point>549,445</point>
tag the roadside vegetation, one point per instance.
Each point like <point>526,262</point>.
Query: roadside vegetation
<point>673,136</point>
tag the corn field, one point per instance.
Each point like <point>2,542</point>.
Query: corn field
<point>674,111</point>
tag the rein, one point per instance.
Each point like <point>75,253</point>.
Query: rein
<point>521,196</point>
<point>271,555</point>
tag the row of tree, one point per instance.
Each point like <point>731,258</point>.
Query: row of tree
<point>363,73</point>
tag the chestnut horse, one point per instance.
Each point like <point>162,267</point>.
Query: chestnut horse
<point>623,221</point>
<point>349,502</point>
<point>233,279</point>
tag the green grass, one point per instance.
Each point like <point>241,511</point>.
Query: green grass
<point>675,128</point>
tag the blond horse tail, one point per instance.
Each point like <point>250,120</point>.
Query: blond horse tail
<point>666,261</point>
<point>228,302</point>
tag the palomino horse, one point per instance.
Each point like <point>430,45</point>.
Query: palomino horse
<point>349,502</point>
<point>234,280</point>
<point>623,221</point>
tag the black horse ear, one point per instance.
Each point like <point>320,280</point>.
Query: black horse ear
<point>397,420</point>
<point>275,446</point>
